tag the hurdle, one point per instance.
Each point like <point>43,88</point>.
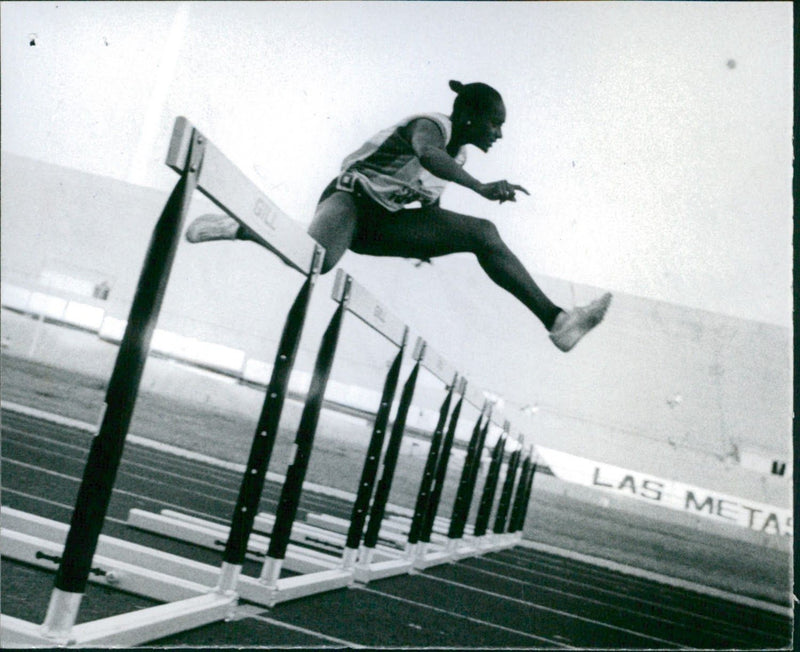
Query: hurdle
<point>480,540</point>
<point>419,519</point>
<point>429,553</point>
<point>490,488</point>
<point>203,167</point>
<point>365,568</point>
<point>477,399</point>
<point>448,547</point>
<point>391,562</point>
<point>498,538</point>
<point>420,525</point>
<point>369,471</point>
<point>434,474</point>
<point>520,505</point>
<point>341,534</point>
<point>466,487</point>
<point>355,299</point>
<point>522,500</point>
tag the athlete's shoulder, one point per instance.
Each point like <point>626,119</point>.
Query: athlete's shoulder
<point>438,119</point>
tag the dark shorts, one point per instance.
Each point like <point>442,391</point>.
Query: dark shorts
<point>371,217</point>
<point>367,207</point>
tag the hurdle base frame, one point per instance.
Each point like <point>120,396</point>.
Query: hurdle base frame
<point>315,565</point>
<point>464,547</point>
<point>367,570</point>
<point>126,630</point>
<point>391,541</point>
<point>123,566</point>
<point>318,572</point>
<point>429,555</point>
<point>118,564</point>
<point>211,535</point>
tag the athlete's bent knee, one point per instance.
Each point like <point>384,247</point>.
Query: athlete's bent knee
<point>487,236</point>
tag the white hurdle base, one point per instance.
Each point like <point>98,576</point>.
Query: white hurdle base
<point>126,630</point>
<point>382,562</point>
<point>367,570</point>
<point>428,555</point>
<point>324,539</point>
<point>402,525</point>
<point>318,572</point>
<point>215,535</point>
<point>125,566</point>
<point>390,539</point>
<point>463,548</point>
<point>190,601</point>
<point>494,542</point>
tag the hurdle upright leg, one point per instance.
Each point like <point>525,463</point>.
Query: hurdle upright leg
<point>427,558</point>
<point>94,493</point>
<point>364,571</point>
<point>490,487</point>
<point>423,495</point>
<point>441,468</point>
<point>519,497</point>
<point>506,494</point>
<point>266,433</point>
<point>372,462</point>
<point>293,485</point>
<point>526,497</point>
<point>469,475</point>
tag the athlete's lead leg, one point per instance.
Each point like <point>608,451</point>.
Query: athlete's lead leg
<point>431,232</point>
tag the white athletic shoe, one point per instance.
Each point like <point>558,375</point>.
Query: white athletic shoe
<point>212,227</point>
<point>570,327</point>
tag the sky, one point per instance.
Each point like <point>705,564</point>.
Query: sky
<point>655,138</point>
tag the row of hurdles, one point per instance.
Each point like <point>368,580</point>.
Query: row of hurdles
<point>323,552</point>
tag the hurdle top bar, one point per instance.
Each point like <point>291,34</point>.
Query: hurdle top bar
<point>474,396</point>
<point>368,309</point>
<point>435,363</point>
<point>477,397</point>
<point>230,189</point>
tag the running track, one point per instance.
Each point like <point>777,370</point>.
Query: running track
<point>518,598</point>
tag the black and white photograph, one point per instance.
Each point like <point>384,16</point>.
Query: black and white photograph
<point>369,324</point>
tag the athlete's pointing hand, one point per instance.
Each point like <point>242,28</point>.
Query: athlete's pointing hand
<point>500,191</point>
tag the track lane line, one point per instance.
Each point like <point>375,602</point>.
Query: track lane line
<point>607,604</point>
<point>91,429</point>
<point>686,585</point>
<point>314,495</point>
<point>136,465</point>
<point>677,610</point>
<point>54,503</point>
<point>550,609</point>
<point>122,492</point>
<point>310,502</point>
<point>310,632</point>
<point>477,621</point>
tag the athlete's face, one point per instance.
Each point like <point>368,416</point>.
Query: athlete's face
<point>488,127</point>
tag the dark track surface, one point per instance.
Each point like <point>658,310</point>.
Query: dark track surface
<point>516,598</point>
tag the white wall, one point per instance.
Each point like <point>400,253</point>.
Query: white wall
<point>612,399</point>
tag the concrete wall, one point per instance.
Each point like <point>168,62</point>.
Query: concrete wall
<point>685,394</point>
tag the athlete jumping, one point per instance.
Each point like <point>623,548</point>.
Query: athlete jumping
<point>365,209</point>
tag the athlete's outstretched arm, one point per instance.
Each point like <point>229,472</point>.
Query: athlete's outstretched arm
<point>429,146</point>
